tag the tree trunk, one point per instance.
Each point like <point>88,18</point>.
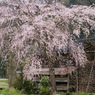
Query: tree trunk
<point>11,74</point>
<point>52,77</point>
<point>51,60</point>
<point>11,70</point>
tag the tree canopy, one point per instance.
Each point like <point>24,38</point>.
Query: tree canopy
<point>35,32</point>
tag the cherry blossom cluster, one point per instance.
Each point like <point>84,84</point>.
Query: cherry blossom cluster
<point>26,28</point>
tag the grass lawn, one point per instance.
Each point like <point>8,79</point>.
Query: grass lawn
<point>16,92</point>
<point>6,91</point>
<point>81,93</point>
<point>3,83</point>
<point>4,80</point>
<point>12,92</point>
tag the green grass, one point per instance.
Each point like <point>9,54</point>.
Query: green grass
<point>12,92</point>
<point>3,83</point>
<point>6,91</point>
<point>4,80</point>
<point>82,93</point>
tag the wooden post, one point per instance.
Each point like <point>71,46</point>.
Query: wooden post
<point>90,74</point>
<point>77,83</point>
<point>68,83</point>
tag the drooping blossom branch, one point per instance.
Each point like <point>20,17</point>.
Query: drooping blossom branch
<point>30,27</point>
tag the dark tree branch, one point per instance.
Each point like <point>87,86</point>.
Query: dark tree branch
<point>89,43</point>
<point>90,2</point>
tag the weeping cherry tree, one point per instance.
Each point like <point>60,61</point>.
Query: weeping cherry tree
<point>34,31</point>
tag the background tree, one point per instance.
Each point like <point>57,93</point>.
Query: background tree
<point>79,2</point>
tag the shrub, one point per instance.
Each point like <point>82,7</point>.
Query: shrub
<point>45,91</point>
<point>44,82</point>
<point>18,83</point>
<point>69,93</point>
<point>30,87</point>
<point>27,85</point>
<point>45,86</point>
